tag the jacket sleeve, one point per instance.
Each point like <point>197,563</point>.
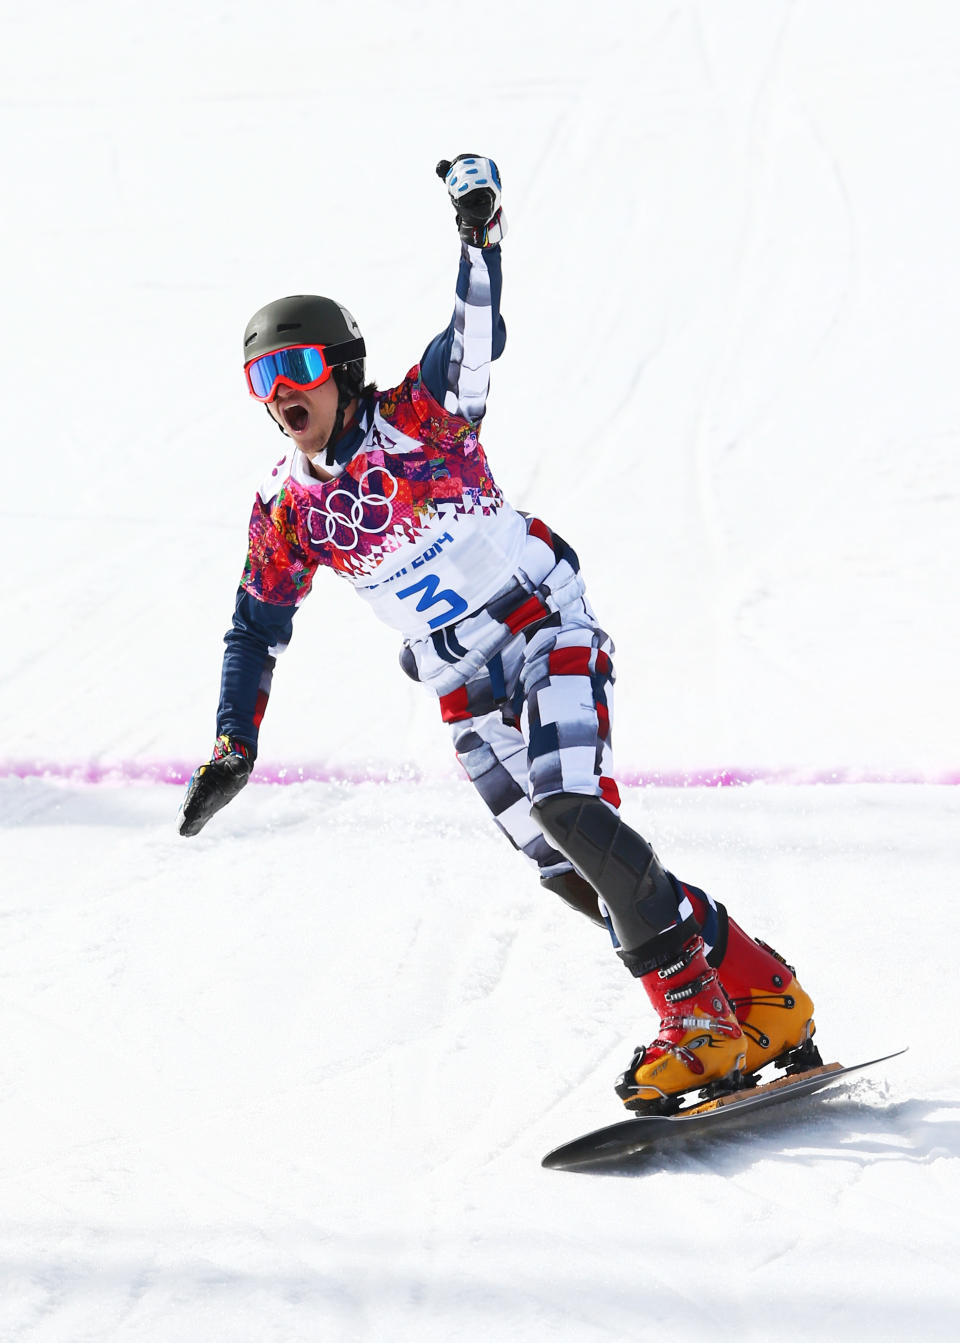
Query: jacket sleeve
<point>259,632</point>
<point>456,364</point>
<point>276,578</point>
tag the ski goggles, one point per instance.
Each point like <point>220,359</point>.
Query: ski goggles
<point>301,366</point>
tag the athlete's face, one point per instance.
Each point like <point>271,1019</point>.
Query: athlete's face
<point>308,416</point>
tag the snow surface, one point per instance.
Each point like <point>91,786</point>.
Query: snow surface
<point>292,1079</point>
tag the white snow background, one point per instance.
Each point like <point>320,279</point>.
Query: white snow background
<point>292,1080</point>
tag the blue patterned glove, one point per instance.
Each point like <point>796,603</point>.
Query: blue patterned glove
<point>473,183</point>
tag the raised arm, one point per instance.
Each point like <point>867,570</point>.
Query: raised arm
<point>456,364</point>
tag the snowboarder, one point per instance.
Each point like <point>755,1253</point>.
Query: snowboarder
<point>392,491</point>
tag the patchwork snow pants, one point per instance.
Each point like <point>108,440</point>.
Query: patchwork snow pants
<point>536,721</point>
<point>526,687</point>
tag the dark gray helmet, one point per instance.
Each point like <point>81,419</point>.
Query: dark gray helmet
<point>309,319</point>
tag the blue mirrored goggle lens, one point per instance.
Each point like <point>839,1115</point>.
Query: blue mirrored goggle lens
<point>300,366</point>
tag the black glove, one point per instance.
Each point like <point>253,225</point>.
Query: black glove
<point>474,186</point>
<point>214,784</point>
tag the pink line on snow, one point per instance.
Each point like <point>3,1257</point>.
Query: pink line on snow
<point>176,772</point>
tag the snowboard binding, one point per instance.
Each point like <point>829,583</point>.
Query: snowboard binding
<point>792,1062</point>
<point>799,1060</point>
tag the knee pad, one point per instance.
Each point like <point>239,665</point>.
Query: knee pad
<point>624,870</point>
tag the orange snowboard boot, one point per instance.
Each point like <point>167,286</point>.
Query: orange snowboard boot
<point>774,1012</point>
<point>700,1041</point>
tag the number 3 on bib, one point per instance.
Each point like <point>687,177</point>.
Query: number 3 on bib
<point>430,596</point>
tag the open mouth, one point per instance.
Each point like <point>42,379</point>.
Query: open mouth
<point>295,416</point>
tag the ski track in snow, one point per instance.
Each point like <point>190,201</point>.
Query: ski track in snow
<point>361,1156</point>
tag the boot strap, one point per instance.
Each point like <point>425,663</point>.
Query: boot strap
<point>731,1028</point>
<point>692,989</point>
<point>785,1000</point>
<point>775,954</point>
<point>686,955</point>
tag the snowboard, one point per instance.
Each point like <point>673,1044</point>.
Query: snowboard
<point>737,1108</point>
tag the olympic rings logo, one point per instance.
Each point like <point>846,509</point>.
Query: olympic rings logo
<point>345,517</point>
